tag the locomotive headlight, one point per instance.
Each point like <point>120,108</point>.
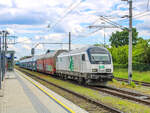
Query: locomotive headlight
<point>108,70</point>
<point>94,70</point>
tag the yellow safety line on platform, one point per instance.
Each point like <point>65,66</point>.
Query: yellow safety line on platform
<point>46,92</point>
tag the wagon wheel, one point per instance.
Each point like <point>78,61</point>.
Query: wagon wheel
<point>81,81</point>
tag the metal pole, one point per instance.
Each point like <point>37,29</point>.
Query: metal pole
<point>104,36</point>
<point>0,66</point>
<point>6,33</point>
<point>130,44</point>
<point>3,57</point>
<point>32,53</point>
<point>32,62</point>
<point>69,41</point>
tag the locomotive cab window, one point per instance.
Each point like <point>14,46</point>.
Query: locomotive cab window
<point>83,57</point>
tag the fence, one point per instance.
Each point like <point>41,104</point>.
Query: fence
<point>135,66</point>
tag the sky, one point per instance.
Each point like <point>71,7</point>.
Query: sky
<point>50,21</point>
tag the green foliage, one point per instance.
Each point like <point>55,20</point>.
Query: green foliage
<point>122,38</point>
<point>139,84</point>
<point>141,55</point>
<point>137,75</point>
<point>141,51</point>
<point>132,84</point>
<point>123,83</point>
<point>120,54</point>
<point>114,80</point>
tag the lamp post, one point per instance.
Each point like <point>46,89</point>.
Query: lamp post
<point>4,51</point>
<point>0,63</point>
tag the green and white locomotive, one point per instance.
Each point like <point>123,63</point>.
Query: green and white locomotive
<point>89,65</point>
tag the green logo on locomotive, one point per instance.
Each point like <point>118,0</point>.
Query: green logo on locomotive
<point>71,66</point>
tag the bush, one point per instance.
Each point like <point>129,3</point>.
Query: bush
<point>123,83</point>
<point>132,84</point>
<point>114,80</point>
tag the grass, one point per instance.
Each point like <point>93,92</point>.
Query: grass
<point>123,105</point>
<point>137,88</point>
<point>139,76</point>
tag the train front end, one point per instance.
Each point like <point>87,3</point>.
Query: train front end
<point>100,66</point>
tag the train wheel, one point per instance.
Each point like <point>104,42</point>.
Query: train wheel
<point>81,81</point>
<point>65,77</point>
<point>87,82</point>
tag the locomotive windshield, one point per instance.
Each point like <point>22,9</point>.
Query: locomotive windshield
<point>99,56</point>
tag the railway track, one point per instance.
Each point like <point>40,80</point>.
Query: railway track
<point>98,103</point>
<point>135,81</point>
<point>144,99</point>
<point>140,98</point>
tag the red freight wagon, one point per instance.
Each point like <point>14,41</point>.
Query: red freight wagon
<point>48,61</point>
<point>49,64</point>
<point>40,63</point>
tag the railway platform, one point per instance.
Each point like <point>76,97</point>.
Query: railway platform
<point>22,94</point>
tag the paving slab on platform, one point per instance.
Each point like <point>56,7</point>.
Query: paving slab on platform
<point>21,95</point>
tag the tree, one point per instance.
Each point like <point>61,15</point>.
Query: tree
<point>119,54</point>
<point>141,51</point>
<point>122,38</point>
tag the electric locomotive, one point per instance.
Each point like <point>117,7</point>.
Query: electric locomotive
<point>89,65</point>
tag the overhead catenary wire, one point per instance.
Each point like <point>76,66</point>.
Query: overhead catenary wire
<point>136,15</point>
<point>64,12</point>
<point>84,29</point>
<point>72,7</point>
<point>139,14</point>
<point>142,15</point>
<point>115,25</point>
<point>112,22</point>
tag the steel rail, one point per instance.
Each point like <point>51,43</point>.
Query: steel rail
<point>135,81</point>
<point>144,99</point>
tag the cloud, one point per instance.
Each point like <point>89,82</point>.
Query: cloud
<point>55,37</point>
<point>37,37</point>
<point>12,47</point>
<point>40,46</point>
<point>10,31</point>
<point>29,19</point>
<point>26,47</point>
<point>23,40</point>
<point>22,17</point>
<point>6,3</point>
<point>75,46</point>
